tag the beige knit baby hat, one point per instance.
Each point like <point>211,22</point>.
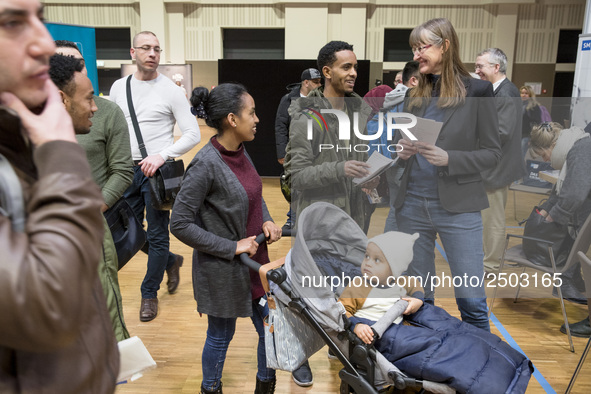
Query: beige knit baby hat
<point>397,248</point>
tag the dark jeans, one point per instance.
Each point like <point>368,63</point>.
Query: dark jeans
<point>158,242</point>
<point>220,332</point>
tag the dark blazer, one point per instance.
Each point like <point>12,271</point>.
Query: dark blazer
<point>470,136</point>
<point>511,167</point>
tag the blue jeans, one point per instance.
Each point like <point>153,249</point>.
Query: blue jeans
<point>393,176</point>
<point>461,236</point>
<point>220,331</point>
<point>158,239</point>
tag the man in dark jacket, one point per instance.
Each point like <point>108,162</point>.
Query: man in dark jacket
<point>311,79</point>
<point>56,335</point>
<point>491,65</point>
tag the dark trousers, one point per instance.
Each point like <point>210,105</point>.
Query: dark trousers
<point>158,238</point>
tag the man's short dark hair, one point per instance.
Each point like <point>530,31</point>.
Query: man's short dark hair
<point>411,69</point>
<point>327,55</point>
<point>67,44</point>
<point>61,72</point>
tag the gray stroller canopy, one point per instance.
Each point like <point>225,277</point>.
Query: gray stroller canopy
<point>324,230</point>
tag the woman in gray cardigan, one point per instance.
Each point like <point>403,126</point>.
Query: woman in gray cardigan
<point>218,212</point>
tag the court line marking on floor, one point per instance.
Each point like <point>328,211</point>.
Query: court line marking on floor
<point>509,339</point>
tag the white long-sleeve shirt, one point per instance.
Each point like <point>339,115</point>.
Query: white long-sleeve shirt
<point>158,104</point>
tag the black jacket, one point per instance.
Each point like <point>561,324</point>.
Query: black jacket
<point>282,120</point>
<point>511,167</point>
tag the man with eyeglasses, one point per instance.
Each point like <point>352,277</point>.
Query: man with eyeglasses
<point>158,104</point>
<point>491,65</point>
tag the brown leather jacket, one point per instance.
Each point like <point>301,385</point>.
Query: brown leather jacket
<point>55,335</point>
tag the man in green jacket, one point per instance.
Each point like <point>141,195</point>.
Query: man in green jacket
<point>109,156</point>
<point>319,165</point>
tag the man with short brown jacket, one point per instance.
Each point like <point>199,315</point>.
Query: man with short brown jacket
<point>56,335</point>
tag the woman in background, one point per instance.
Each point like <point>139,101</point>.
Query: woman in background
<point>532,115</point>
<point>218,212</point>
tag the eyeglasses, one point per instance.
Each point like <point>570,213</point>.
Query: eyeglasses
<point>421,50</point>
<point>147,48</point>
<point>481,66</point>
<point>546,126</point>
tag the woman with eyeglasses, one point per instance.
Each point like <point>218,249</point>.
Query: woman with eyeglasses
<point>532,115</point>
<point>569,151</point>
<point>442,192</point>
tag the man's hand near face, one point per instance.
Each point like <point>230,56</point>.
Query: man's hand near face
<point>52,124</point>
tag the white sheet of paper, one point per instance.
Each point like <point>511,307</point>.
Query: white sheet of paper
<point>426,130</point>
<point>378,163</point>
<point>135,359</point>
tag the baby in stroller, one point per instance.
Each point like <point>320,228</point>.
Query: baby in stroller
<point>426,342</point>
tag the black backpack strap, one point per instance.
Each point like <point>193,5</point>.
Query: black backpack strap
<point>136,126</point>
<point>12,203</point>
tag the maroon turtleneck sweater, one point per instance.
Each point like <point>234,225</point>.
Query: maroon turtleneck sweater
<point>251,182</point>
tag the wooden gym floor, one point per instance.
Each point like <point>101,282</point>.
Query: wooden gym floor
<point>176,337</point>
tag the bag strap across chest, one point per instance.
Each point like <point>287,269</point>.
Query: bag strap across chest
<point>136,126</point>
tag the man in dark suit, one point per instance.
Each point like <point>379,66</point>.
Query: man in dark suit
<point>491,65</point>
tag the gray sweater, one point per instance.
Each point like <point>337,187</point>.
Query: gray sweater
<point>209,215</point>
<point>574,202</point>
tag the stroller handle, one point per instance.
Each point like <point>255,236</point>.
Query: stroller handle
<point>250,263</point>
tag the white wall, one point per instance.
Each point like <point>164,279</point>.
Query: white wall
<point>191,31</point>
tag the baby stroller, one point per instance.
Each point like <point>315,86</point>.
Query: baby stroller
<point>304,314</point>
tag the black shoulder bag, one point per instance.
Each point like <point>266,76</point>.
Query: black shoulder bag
<point>127,231</point>
<point>166,182</point>
<point>537,227</point>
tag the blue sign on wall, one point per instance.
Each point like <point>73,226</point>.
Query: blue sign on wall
<point>84,37</point>
<point>586,45</point>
